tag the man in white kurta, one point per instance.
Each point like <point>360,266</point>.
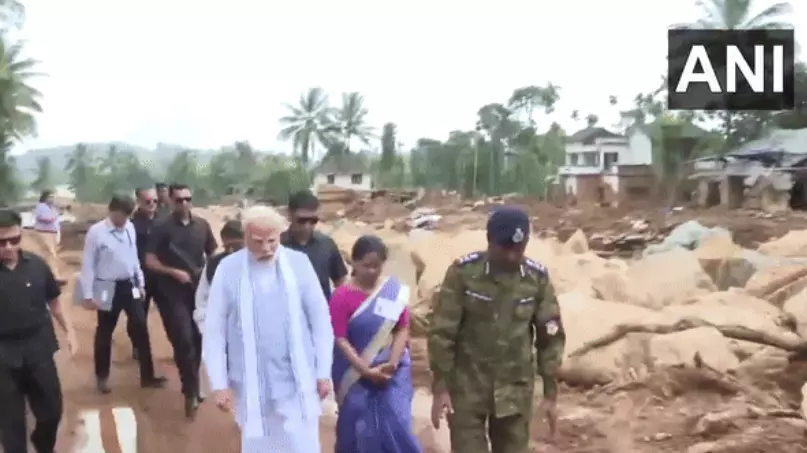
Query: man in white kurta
<point>268,343</point>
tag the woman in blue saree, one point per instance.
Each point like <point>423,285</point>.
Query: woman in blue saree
<point>372,368</point>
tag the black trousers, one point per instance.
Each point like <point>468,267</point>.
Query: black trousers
<point>176,303</point>
<point>38,382</point>
<point>108,320</point>
<point>151,294</point>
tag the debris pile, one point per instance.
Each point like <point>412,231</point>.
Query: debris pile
<point>697,302</point>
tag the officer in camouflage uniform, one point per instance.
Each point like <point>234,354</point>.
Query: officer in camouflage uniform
<point>496,310</point>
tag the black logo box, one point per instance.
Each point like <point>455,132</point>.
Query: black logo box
<point>698,95</point>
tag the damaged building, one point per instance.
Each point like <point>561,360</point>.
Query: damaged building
<point>767,174</point>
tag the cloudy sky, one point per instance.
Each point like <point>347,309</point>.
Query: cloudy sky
<point>204,74</point>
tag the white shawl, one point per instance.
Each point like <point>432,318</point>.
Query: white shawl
<point>253,423</point>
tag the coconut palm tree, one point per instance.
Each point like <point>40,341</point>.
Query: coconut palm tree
<point>19,101</point>
<point>351,121</point>
<point>9,185</point>
<point>738,15</point>
<point>12,14</point>
<point>308,123</point>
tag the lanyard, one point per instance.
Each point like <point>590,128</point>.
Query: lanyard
<point>115,234</point>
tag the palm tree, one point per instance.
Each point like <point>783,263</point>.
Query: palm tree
<point>308,123</point>
<point>737,15</point>
<point>19,101</point>
<point>12,14</point>
<point>388,145</point>
<point>9,185</point>
<point>351,121</point>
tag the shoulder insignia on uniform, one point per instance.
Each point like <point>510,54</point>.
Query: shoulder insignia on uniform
<point>535,265</point>
<point>469,258</point>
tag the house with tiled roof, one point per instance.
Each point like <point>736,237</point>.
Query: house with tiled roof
<point>346,171</point>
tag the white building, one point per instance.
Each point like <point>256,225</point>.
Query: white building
<point>599,162</point>
<point>346,172</point>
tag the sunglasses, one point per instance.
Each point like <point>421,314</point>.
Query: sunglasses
<point>14,240</point>
<point>183,199</point>
<point>307,220</point>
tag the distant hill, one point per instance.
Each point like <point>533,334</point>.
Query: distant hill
<point>156,160</point>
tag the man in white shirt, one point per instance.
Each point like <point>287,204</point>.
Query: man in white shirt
<point>112,281</point>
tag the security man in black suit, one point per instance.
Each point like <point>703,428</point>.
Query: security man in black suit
<point>29,299</point>
<point>176,253</point>
<point>144,219</point>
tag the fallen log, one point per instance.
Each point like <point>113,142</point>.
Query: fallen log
<point>735,332</point>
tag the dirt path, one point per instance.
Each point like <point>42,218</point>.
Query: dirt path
<point>158,414</point>
<point>155,417</point>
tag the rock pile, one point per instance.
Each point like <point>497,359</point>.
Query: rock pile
<point>706,300</point>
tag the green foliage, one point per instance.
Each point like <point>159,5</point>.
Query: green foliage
<point>235,170</point>
<point>9,185</point>
<point>19,101</point>
<point>44,174</point>
<point>389,144</point>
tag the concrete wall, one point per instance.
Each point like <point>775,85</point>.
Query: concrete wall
<point>344,181</point>
<point>640,150</point>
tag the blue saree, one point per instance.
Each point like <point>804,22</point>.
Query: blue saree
<point>375,419</point>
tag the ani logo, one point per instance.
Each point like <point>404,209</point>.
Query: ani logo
<point>731,69</point>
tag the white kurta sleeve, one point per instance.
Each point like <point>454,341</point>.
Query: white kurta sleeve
<point>202,293</point>
<point>319,319</point>
<point>214,340</point>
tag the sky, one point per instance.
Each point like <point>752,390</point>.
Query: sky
<point>205,74</point>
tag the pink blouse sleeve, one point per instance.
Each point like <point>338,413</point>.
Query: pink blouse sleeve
<point>403,320</point>
<point>340,313</point>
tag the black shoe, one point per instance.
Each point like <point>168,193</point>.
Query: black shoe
<point>191,407</point>
<point>135,354</point>
<point>156,382</point>
<point>103,386</point>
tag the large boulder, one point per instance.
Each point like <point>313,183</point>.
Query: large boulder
<point>681,348</point>
<point>663,279</point>
<point>796,308</point>
<point>689,235</point>
<point>776,284</point>
<point>735,308</point>
<point>586,319</point>
<point>725,262</point>
<point>672,335</point>
<point>792,244</point>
